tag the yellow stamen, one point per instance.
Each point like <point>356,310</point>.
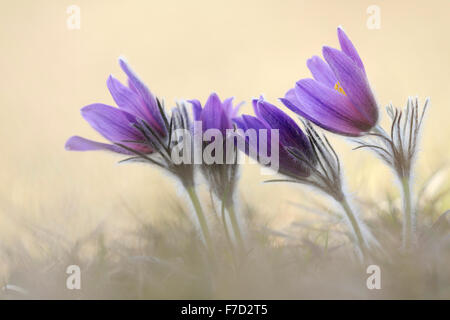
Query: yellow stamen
<point>338,88</point>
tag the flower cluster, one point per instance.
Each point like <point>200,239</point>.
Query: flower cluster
<point>338,99</point>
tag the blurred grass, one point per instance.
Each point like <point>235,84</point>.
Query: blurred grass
<point>165,259</point>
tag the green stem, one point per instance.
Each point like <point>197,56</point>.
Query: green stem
<point>355,225</point>
<point>200,215</point>
<point>235,225</point>
<point>225,227</point>
<point>227,234</point>
<point>408,232</point>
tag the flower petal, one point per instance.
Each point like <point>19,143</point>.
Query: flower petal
<point>228,106</point>
<point>230,110</point>
<point>246,122</point>
<point>291,97</point>
<point>321,71</point>
<point>349,49</point>
<point>196,109</point>
<point>77,143</point>
<point>112,123</point>
<point>321,105</point>
<point>354,82</point>
<point>147,98</point>
<point>290,133</point>
<point>336,102</point>
<point>214,116</point>
<point>137,84</point>
<point>287,165</point>
<point>240,123</point>
<point>127,99</point>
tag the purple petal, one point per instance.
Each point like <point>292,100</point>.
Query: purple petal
<point>229,109</point>
<point>354,82</point>
<point>214,116</point>
<point>246,122</point>
<point>329,99</point>
<point>290,133</point>
<point>320,104</point>
<point>147,98</point>
<point>321,71</point>
<point>228,106</point>
<point>288,165</point>
<point>112,123</point>
<point>254,123</point>
<point>255,107</point>
<point>236,109</point>
<point>349,49</point>
<point>290,96</point>
<point>77,143</point>
<point>196,109</point>
<point>127,99</point>
<point>240,123</point>
<point>137,84</point>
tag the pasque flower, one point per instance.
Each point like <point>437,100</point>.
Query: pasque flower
<point>339,98</point>
<point>291,138</point>
<point>398,148</point>
<point>217,116</point>
<point>140,127</point>
<point>118,125</point>
<point>221,175</point>
<point>305,158</point>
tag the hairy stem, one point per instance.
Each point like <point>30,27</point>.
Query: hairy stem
<point>408,219</point>
<point>200,215</point>
<point>355,225</point>
<point>235,226</point>
<point>225,227</point>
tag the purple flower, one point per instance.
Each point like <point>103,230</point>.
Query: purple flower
<point>221,174</point>
<point>118,125</point>
<point>291,138</point>
<point>216,114</point>
<point>339,98</point>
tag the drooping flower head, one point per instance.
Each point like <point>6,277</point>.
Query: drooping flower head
<point>216,117</point>
<point>291,138</point>
<point>118,125</point>
<point>305,158</point>
<point>339,98</point>
<point>139,127</point>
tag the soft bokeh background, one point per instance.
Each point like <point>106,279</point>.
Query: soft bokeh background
<point>187,49</point>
